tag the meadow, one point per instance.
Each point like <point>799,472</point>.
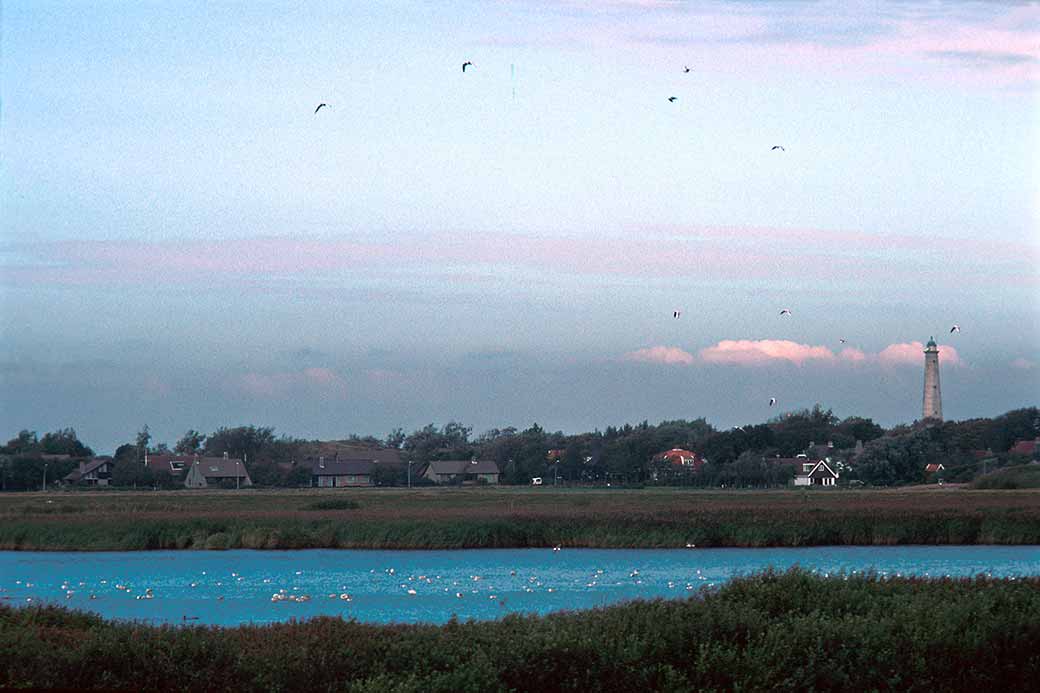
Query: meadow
<point>504,517</point>
<point>772,631</point>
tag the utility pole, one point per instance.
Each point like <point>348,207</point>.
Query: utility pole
<point>44,477</point>
<point>409,473</point>
<point>236,475</point>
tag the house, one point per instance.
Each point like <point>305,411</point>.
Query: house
<point>820,474</point>
<point>206,472</point>
<point>96,471</point>
<point>934,468</point>
<point>337,473</point>
<point>555,455</point>
<point>678,457</point>
<point>462,471</point>
<point>1027,448</point>
<point>174,465</point>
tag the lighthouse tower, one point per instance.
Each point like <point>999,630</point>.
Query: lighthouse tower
<point>932,391</point>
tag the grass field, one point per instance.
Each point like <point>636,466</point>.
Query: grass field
<point>514,517</point>
<point>771,632</point>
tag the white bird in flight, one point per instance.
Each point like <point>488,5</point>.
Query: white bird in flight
<point>842,340</point>
<point>676,313</point>
<point>772,401</point>
<point>786,311</point>
<point>955,328</point>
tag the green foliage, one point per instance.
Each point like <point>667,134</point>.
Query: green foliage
<point>775,631</point>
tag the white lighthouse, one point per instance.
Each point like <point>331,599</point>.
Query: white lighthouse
<point>932,391</point>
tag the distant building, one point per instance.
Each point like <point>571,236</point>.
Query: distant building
<point>174,465</point>
<point>206,472</point>
<point>341,473</point>
<point>1027,448</point>
<point>933,468</point>
<point>679,457</point>
<point>819,474</point>
<point>932,408</point>
<point>462,471</point>
<point>96,471</point>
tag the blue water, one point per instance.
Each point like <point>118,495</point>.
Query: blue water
<point>233,587</point>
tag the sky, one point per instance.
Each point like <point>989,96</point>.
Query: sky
<point>185,243</point>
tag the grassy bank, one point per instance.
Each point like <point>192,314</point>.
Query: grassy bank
<point>499,518</point>
<point>791,631</point>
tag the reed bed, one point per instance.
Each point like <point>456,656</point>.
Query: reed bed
<point>509,518</point>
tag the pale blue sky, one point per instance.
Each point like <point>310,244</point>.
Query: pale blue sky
<point>185,243</point>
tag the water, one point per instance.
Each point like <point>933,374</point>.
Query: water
<point>233,587</point>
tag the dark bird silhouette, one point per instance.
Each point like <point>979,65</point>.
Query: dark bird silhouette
<point>777,146</point>
<point>676,313</point>
<point>955,328</point>
<point>786,311</point>
<point>320,106</point>
<point>466,64</point>
<point>841,340</point>
<point>772,401</point>
<point>685,68</point>
<point>672,99</point>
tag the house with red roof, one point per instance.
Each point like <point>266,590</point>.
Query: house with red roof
<point>1027,448</point>
<point>681,458</point>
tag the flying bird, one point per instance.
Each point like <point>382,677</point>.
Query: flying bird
<point>672,99</point>
<point>685,68</point>
<point>676,313</point>
<point>772,401</point>
<point>955,328</point>
<point>466,64</point>
<point>786,311</point>
<point>842,340</point>
<point>777,146</point>
<point>320,106</point>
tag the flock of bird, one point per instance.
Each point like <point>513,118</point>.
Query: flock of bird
<point>471,586</point>
<point>676,314</point>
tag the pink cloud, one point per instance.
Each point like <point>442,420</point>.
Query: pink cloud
<point>912,353</point>
<point>660,354</point>
<point>746,352</point>
<point>852,354</point>
<point>266,385</point>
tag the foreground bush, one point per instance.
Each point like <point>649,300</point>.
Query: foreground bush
<point>790,631</point>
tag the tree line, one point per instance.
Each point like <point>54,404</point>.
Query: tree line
<point>739,457</point>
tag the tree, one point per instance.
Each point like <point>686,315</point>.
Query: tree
<point>64,442</point>
<point>396,439</point>
<point>24,443</point>
<point>141,442</point>
<point>190,443</point>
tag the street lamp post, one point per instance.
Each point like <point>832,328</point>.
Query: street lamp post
<point>236,475</point>
<point>44,477</point>
<point>409,473</point>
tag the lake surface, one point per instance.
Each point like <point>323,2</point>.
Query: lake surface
<point>234,587</point>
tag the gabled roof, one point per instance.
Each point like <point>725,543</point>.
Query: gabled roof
<point>220,467</point>
<point>341,467</point>
<point>932,468</point>
<point>463,467</point>
<point>822,469</point>
<point>88,467</point>
<point>169,463</point>
<point>1024,447</point>
<point>680,457</point>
